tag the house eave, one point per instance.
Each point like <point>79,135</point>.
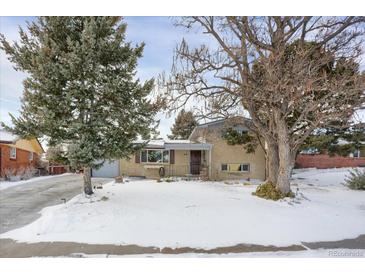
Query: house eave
<point>189,146</point>
<point>175,144</point>
<point>6,142</point>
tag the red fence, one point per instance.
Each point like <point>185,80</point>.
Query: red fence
<point>53,170</point>
<point>325,161</point>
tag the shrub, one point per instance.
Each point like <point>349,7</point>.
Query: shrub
<point>23,173</point>
<point>269,191</point>
<point>28,173</point>
<point>10,172</point>
<point>119,179</point>
<point>356,179</point>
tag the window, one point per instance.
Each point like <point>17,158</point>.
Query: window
<point>166,156</point>
<point>235,167</point>
<point>155,156</point>
<point>356,153</point>
<point>31,156</point>
<point>245,167</point>
<point>144,156</point>
<point>12,153</point>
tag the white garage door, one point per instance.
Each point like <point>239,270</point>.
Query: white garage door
<point>107,170</point>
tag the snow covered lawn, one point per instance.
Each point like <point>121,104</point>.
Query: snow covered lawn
<point>322,177</point>
<point>7,184</point>
<point>204,214</point>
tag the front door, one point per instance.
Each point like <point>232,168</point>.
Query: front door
<point>195,160</point>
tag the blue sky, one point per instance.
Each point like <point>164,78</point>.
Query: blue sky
<point>158,33</point>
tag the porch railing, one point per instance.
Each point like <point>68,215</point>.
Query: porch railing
<point>197,170</point>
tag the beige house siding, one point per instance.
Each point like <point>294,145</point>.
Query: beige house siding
<point>222,153</point>
<point>225,154</point>
<point>130,168</point>
<point>179,168</point>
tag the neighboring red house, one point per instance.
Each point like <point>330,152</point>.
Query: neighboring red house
<point>355,159</point>
<point>17,153</point>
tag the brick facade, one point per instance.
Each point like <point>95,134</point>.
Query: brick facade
<point>325,161</point>
<point>21,161</point>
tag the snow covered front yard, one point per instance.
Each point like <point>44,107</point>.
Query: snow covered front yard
<point>204,214</point>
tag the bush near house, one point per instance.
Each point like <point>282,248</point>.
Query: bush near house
<point>23,173</point>
<point>269,191</point>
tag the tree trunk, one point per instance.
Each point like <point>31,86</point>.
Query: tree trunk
<point>272,162</point>
<point>286,160</point>
<point>285,168</point>
<point>88,189</point>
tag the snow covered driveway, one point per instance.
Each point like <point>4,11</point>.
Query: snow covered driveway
<point>203,215</point>
<point>20,202</point>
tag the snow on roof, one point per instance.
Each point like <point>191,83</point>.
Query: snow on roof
<point>156,143</point>
<point>178,141</point>
<point>175,144</point>
<point>6,136</point>
<point>151,143</point>
<point>342,142</point>
<point>161,142</point>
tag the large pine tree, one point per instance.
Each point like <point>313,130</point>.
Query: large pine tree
<point>184,124</point>
<point>336,140</point>
<point>81,88</point>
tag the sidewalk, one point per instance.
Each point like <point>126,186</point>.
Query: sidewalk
<point>12,249</point>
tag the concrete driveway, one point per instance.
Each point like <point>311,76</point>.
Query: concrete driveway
<point>20,205</point>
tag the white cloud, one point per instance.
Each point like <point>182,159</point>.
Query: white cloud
<point>11,87</point>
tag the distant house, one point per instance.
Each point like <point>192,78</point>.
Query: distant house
<point>204,154</point>
<point>17,153</point>
<point>311,158</point>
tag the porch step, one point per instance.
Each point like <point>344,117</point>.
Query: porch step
<point>204,173</point>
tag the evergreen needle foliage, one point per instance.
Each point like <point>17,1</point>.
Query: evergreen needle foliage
<point>356,179</point>
<point>245,138</point>
<point>81,90</point>
<point>184,124</point>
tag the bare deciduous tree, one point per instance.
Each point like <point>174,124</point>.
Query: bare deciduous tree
<point>291,74</point>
